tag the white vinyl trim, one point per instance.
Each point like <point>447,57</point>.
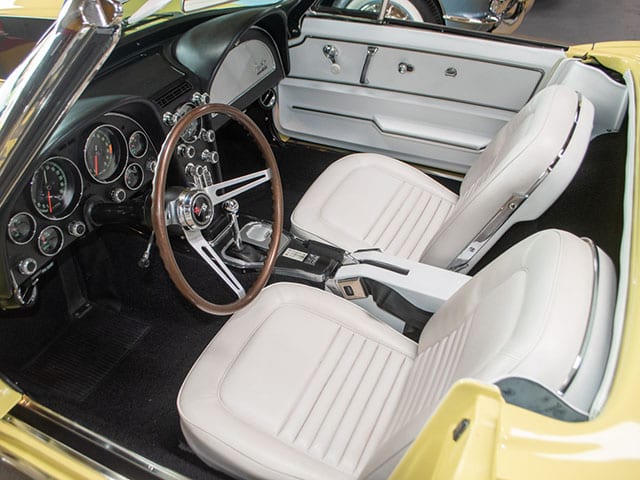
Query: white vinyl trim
<point>625,252</point>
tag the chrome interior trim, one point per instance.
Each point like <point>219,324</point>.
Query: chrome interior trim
<point>383,11</point>
<point>60,447</point>
<point>47,84</point>
<point>489,20</point>
<point>508,209</point>
<point>137,460</point>
<point>577,363</point>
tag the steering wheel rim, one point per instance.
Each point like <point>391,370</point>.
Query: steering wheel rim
<point>158,215</point>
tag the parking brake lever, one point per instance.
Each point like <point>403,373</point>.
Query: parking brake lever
<point>145,260</point>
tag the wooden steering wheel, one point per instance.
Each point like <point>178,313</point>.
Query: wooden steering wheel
<point>193,211</point>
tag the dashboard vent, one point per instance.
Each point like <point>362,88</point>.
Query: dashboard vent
<point>172,93</point>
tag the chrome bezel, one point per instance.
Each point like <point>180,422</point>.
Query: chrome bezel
<point>33,232</point>
<point>181,112</point>
<point>125,148</point>
<point>79,193</point>
<point>55,227</point>
<point>131,165</point>
<point>146,144</point>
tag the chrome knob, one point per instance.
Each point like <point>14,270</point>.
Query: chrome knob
<point>118,195</point>
<point>169,119</point>
<point>27,266</point>
<point>190,169</point>
<point>231,206</point>
<point>405,68</point>
<point>78,228</point>
<point>151,165</point>
<point>200,98</point>
<point>209,156</point>
<point>208,136</point>
<point>186,151</point>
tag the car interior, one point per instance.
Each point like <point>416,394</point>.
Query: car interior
<point>445,206</point>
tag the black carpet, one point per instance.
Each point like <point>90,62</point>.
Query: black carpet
<point>85,353</point>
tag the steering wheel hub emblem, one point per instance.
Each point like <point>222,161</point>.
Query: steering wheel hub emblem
<point>194,209</point>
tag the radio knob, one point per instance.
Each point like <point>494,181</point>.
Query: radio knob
<point>27,266</point>
<point>77,228</point>
<point>118,195</point>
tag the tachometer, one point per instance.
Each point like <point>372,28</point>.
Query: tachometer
<point>56,188</point>
<point>105,153</point>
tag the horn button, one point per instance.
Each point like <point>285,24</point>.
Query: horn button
<point>194,209</point>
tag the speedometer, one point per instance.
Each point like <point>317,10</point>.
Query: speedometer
<point>105,154</point>
<point>56,188</point>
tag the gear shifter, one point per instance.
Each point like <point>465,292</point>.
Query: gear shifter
<point>232,207</point>
<point>238,249</point>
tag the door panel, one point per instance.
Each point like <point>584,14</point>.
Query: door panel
<point>428,97</point>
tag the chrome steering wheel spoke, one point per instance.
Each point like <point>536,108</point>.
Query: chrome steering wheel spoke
<point>237,185</point>
<point>211,257</point>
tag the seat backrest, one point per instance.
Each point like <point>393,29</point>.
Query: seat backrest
<point>527,314</point>
<point>545,141</point>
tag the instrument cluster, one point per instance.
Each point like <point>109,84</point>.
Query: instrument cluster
<point>109,161</point>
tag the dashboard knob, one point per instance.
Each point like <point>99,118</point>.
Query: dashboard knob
<point>208,136</point>
<point>209,156</point>
<point>77,228</point>
<point>169,119</point>
<point>200,98</point>
<point>186,151</point>
<point>27,266</point>
<point>118,195</point>
<point>151,165</point>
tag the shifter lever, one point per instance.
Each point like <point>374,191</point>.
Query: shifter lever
<point>144,261</point>
<point>232,207</point>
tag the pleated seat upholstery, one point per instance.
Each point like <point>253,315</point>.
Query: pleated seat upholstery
<point>304,384</point>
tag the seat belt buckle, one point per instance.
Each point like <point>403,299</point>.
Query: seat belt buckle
<point>352,288</point>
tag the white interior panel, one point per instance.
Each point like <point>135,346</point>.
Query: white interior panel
<point>428,76</point>
<point>459,93</point>
<point>430,131</point>
<point>608,96</point>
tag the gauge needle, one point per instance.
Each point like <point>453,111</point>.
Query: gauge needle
<point>49,201</point>
<point>95,163</point>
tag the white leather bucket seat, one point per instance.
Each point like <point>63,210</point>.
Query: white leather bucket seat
<point>303,384</point>
<point>373,201</point>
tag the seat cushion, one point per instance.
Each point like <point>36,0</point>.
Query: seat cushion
<point>373,201</point>
<point>300,384</point>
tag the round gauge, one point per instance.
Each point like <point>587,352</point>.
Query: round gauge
<point>190,134</point>
<point>50,241</point>
<point>56,188</point>
<point>105,154</point>
<point>138,144</point>
<point>133,176</point>
<point>22,228</point>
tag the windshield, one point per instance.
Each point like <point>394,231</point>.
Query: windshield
<point>23,22</point>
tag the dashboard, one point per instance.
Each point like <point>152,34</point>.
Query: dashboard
<point>105,150</point>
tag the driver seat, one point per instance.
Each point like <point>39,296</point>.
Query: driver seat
<point>304,384</point>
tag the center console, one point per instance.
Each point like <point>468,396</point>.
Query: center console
<point>398,291</point>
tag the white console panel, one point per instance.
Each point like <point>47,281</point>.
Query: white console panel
<point>425,286</point>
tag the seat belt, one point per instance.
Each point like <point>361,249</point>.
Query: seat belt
<point>392,302</point>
